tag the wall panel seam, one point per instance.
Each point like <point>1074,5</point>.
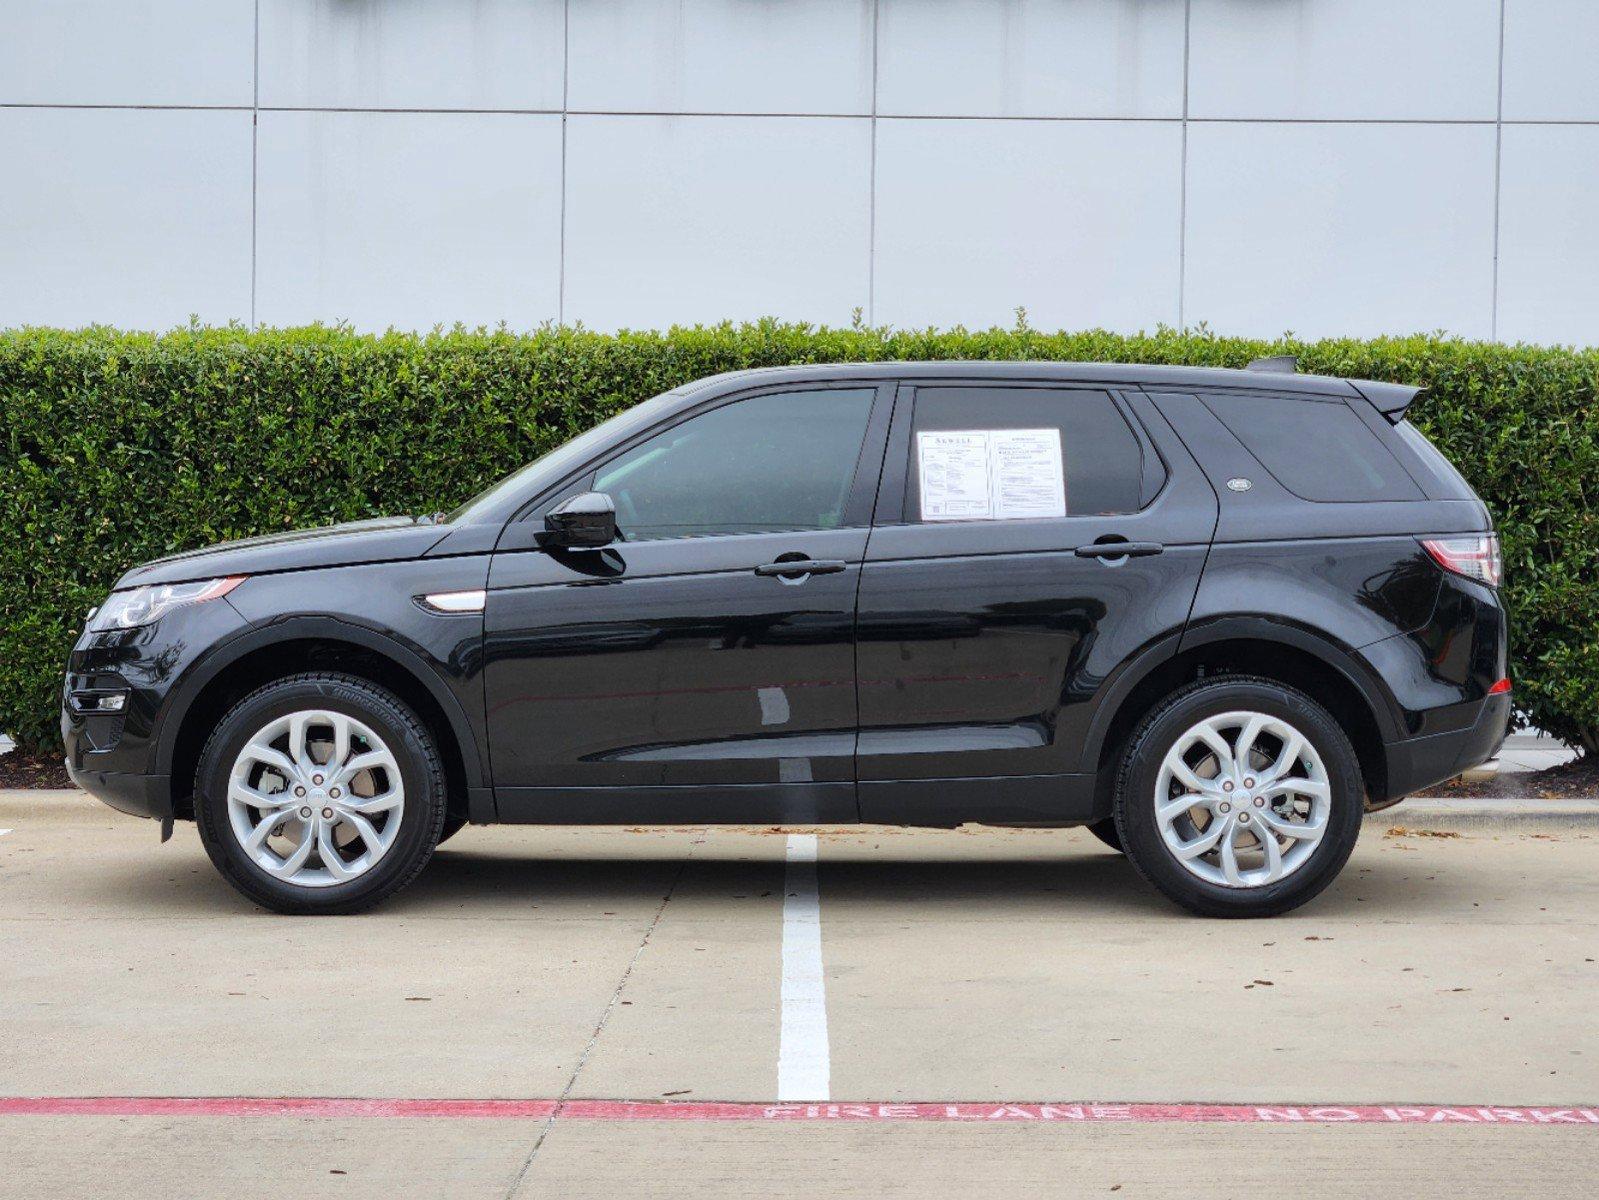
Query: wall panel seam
<point>566,78</point>
<point>255,154</point>
<point>1508,122</point>
<point>1499,141</point>
<point>1182,182</point>
<point>871,183</point>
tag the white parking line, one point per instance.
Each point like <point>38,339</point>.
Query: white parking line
<point>803,1062</point>
<point>3,832</point>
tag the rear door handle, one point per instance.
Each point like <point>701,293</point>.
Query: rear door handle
<point>1120,550</point>
<point>802,566</point>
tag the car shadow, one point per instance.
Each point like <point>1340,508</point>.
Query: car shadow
<point>472,879</point>
<point>1078,881</point>
<point>1073,877</point>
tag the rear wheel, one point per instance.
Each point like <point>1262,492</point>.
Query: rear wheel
<point>320,793</point>
<point>1239,797</point>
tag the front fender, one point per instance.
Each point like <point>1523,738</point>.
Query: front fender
<point>338,629</point>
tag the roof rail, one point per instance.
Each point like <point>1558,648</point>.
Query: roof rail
<point>1280,364</point>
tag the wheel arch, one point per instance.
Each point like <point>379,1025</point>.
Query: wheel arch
<point>1294,655</point>
<point>264,653</point>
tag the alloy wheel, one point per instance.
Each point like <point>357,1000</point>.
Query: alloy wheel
<point>1242,799</point>
<point>315,798</point>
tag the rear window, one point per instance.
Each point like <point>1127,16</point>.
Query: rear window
<point>1317,449</point>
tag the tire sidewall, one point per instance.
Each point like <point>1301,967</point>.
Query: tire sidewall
<point>421,820</point>
<point>1135,798</point>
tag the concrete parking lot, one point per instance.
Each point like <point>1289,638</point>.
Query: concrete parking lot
<point>706,1012</point>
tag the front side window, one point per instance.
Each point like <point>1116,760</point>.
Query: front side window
<point>770,464</point>
<point>1009,453</point>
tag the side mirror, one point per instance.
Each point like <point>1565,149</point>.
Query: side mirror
<point>588,520</point>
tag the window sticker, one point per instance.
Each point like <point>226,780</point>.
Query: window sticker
<point>1029,480</point>
<point>990,474</point>
<point>955,475</point>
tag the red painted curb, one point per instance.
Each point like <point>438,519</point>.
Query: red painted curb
<point>671,1110</point>
<point>267,1106</point>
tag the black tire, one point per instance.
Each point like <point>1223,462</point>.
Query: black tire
<point>421,771</point>
<point>1105,831</point>
<point>1136,781</point>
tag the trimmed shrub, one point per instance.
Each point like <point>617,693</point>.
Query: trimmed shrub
<point>118,447</point>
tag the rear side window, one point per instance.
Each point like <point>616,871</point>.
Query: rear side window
<point>1099,464</point>
<point>1317,449</point>
<point>1449,482</point>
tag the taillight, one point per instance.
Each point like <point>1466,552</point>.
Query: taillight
<point>1475,557</point>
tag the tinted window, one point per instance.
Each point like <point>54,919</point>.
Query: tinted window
<point>772,463</point>
<point>525,481</point>
<point>1450,482</point>
<point>1102,461</point>
<point>1317,449</point>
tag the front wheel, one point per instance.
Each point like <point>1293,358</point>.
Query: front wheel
<point>320,793</point>
<point>1239,797</point>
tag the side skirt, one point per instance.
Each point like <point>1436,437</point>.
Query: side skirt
<point>721,804</point>
<point>1042,800</point>
<point>1030,800</point>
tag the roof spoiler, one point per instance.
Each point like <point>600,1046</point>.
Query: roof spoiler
<point>1390,399</point>
<point>1280,364</point>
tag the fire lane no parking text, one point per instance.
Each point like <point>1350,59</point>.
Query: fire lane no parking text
<point>351,1107</point>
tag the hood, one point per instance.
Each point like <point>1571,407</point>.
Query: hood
<point>383,539</point>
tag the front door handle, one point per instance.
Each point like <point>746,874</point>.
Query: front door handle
<point>1120,550</point>
<point>799,567</point>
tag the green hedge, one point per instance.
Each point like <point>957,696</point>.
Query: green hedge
<point>118,447</point>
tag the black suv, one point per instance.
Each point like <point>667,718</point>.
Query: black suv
<point>1215,616</point>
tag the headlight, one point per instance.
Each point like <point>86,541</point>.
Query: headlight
<point>141,605</point>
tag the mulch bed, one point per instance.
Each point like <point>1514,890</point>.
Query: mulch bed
<point>19,770</point>
<point>1574,780</point>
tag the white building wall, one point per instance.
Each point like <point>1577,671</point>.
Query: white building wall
<point>1320,166</point>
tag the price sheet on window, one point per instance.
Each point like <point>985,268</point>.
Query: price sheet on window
<point>990,474</point>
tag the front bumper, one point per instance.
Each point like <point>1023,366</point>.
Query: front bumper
<point>112,753</point>
<point>136,795</point>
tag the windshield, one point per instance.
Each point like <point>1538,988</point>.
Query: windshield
<point>548,468</point>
